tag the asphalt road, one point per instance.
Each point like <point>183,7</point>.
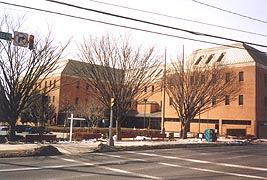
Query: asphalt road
<point>229,162</point>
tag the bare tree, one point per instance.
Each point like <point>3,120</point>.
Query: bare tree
<point>22,71</point>
<point>195,89</point>
<point>92,112</point>
<point>118,70</point>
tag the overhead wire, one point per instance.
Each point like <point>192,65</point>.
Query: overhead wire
<point>231,12</point>
<point>179,18</point>
<point>155,24</point>
<point>122,26</point>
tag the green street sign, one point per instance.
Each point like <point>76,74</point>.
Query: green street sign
<point>5,36</point>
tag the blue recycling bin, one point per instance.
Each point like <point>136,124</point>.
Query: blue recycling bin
<point>210,135</point>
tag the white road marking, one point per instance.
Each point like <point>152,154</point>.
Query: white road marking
<point>80,163</point>
<point>204,162</point>
<point>115,169</point>
<point>213,171</point>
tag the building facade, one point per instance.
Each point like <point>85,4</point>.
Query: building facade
<point>247,114</point>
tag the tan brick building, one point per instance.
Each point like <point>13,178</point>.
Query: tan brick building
<point>245,115</point>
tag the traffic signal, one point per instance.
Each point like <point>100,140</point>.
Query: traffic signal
<point>112,102</point>
<point>31,42</point>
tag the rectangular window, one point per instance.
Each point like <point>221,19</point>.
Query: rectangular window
<point>202,79</point>
<point>87,87</point>
<point>265,79</point>
<point>76,101</point>
<point>55,83</point>
<point>50,83</point>
<point>241,76</point>
<point>198,60</point>
<point>220,57</point>
<point>78,84</point>
<point>145,89</point>
<point>227,100</point>
<point>213,101</point>
<point>209,58</point>
<point>53,100</point>
<point>152,88</point>
<point>227,77</point>
<point>240,100</point>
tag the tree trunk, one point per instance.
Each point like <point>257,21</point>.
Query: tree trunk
<point>184,130</point>
<point>12,132</point>
<point>118,129</point>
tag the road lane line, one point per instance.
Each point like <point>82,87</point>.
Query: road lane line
<point>114,169</point>
<point>204,162</point>
<point>214,171</point>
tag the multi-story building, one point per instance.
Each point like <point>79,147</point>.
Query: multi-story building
<point>245,115</point>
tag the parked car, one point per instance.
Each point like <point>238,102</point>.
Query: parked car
<point>37,130</point>
<point>21,128</point>
<point>4,128</point>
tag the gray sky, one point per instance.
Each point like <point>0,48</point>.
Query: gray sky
<point>65,28</point>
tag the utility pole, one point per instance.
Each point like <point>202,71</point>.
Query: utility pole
<point>164,97</point>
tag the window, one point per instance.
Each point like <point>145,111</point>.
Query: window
<point>241,76</point>
<point>55,83</point>
<point>145,89</point>
<point>53,100</point>
<point>78,84</point>
<point>220,57</point>
<point>202,79</point>
<point>209,58</point>
<point>265,79</point>
<point>199,59</point>
<point>213,101</point>
<point>76,101</point>
<point>227,77</point>
<point>240,100</point>
<point>152,88</point>
<point>87,87</point>
<point>170,101</point>
<point>227,100</point>
<point>50,83</point>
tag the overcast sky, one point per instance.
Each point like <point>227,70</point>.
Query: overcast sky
<point>185,11</point>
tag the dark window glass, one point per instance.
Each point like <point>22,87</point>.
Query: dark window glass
<point>240,100</point>
<point>213,101</point>
<point>241,76</point>
<point>227,100</point>
<point>227,77</point>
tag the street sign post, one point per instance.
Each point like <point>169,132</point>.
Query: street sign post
<point>20,39</point>
<point>5,36</point>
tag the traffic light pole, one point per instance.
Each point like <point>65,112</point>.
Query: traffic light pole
<point>110,141</point>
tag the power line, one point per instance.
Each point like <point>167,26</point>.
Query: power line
<point>155,24</point>
<point>244,16</point>
<point>184,19</point>
<point>122,26</point>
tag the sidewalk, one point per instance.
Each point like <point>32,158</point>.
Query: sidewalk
<point>80,147</point>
